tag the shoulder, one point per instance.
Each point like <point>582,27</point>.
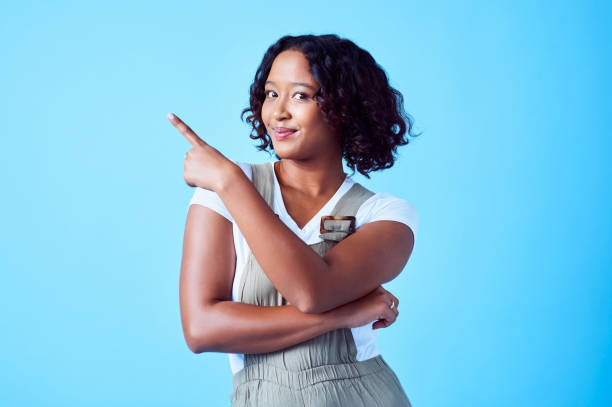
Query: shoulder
<point>246,168</point>
<point>385,206</point>
<point>211,200</point>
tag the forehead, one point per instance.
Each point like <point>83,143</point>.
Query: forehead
<point>291,66</point>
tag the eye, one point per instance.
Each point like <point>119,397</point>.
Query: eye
<point>303,95</point>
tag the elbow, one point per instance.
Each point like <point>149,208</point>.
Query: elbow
<point>193,347</point>
<point>309,305</point>
<point>199,344</point>
<point>193,342</point>
<point>303,301</point>
<point>199,331</point>
<point>312,301</point>
<point>313,308</point>
<point>307,308</point>
<point>198,341</point>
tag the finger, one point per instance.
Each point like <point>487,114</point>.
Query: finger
<point>189,152</point>
<point>386,318</point>
<point>381,323</point>
<point>393,302</point>
<point>396,300</point>
<point>393,298</point>
<point>187,181</point>
<point>378,324</point>
<point>390,317</point>
<point>396,304</point>
<point>185,130</point>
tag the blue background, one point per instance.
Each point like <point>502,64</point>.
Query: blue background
<point>506,299</point>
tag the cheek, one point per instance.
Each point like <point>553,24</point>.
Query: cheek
<point>264,116</point>
<point>315,119</point>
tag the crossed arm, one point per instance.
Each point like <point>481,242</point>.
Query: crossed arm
<point>375,254</point>
<point>212,322</point>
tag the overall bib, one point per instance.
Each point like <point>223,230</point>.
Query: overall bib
<point>322,371</point>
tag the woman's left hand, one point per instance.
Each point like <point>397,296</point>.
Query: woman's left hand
<point>205,166</point>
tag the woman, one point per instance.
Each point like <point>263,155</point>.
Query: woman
<point>283,262</point>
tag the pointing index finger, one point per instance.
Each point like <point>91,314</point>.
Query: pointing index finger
<point>185,130</point>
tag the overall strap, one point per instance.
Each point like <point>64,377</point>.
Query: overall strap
<point>351,201</point>
<point>341,221</point>
<point>263,181</point>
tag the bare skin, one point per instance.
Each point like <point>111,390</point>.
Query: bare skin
<point>213,323</point>
<point>341,289</point>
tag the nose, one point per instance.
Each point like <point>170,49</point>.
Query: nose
<point>280,109</point>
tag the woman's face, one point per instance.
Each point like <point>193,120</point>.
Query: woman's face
<point>290,103</point>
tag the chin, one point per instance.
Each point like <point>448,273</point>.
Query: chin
<point>286,153</point>
<point>281,154</point>
<point>280,149</point>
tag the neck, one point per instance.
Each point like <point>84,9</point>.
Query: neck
<point>310,178</point>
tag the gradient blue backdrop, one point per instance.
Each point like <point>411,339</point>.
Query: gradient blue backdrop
<point>507,297</point>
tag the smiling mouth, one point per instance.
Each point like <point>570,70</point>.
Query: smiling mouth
<point>281,135</point>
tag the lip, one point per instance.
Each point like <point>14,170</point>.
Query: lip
<point>281,133</point>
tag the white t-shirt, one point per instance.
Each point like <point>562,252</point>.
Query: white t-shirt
<point>381,206</point>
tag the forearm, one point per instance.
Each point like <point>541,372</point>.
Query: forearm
<point>276,248</point>
<point>235,327</point>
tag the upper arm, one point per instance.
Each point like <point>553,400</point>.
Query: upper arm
<point>375,254</point>
<point>207,266</point>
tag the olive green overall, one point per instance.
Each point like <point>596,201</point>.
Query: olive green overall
<point>322,371</point>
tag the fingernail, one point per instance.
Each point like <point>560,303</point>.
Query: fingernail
<point>171,116</point>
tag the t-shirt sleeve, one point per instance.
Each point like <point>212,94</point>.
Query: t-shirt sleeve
<point>211,200</point>
<point>383,206</point>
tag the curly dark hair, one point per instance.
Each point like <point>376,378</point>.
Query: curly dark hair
<point>354,97</point>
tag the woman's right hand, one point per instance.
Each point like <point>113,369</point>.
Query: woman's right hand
<point>374,306</point>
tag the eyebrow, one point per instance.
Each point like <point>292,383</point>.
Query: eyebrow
<point>297,84</point>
